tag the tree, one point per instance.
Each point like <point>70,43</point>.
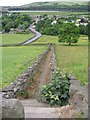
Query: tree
<point>47,23</point>
<point>21,27</point>
<point>7,28</point>
<point>83,29</point>
<point>68,33</point>
<point>40,25</point>
<point>26,24</point>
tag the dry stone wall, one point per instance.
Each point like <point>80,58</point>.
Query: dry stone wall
<point>22,82</point>
<point>53,65</point>
<point>79,96</point>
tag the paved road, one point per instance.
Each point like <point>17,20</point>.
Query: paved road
<point>38,35</point>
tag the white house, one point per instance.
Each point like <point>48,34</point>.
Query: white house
<point>54,22</point>
<point>77,24</point>
<point>85,24</point>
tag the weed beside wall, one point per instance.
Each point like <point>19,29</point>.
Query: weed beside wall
<point>57,91</point>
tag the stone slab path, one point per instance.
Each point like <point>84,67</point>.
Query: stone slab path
<point>34,112</point>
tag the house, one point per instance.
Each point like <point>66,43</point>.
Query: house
<point>33,27</point>
<point>42,18</point>
<point>19,30</point>
<point>78,21</point>
<point>11,30</point>
<point>77,24</point>
<point>66,21</point>
<point>85,24</point>
<point>54,22</point>
<point>37,19</point>
<point>73,21</point>
<point>86,19</point>
<point>8,14</point>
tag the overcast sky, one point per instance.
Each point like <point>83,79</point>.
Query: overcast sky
<point>22,2</point>
<point>18,2</point>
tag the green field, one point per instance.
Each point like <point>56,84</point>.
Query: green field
<point>83,40</point>
<point>60,13</point>
<point>16,59</point>
<point>73,59</point>
<point>46,39</point>
<point>15,38</point>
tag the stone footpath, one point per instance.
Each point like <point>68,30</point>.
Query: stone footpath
<point>36,109</point>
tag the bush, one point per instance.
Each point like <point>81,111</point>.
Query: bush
<point>57,91</point>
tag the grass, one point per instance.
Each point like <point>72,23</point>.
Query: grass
<point>15,38</point>
<point>16,59</point>
<point>46,39</point>
<point>89,54</point>
<point>83,40</point>
<point>73,59</point>
<point>60,13</point>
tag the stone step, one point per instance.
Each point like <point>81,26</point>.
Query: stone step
<point>38,112</point>
<point>33,103</point>
<point>36,109</point>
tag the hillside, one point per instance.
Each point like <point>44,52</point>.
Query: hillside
<point>56,6</point>
<point>55,2</point>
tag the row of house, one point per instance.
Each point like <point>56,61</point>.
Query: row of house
<point>80,21</point>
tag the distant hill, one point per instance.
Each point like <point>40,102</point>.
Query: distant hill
<point>56,6</point>
<point>56,2</point>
